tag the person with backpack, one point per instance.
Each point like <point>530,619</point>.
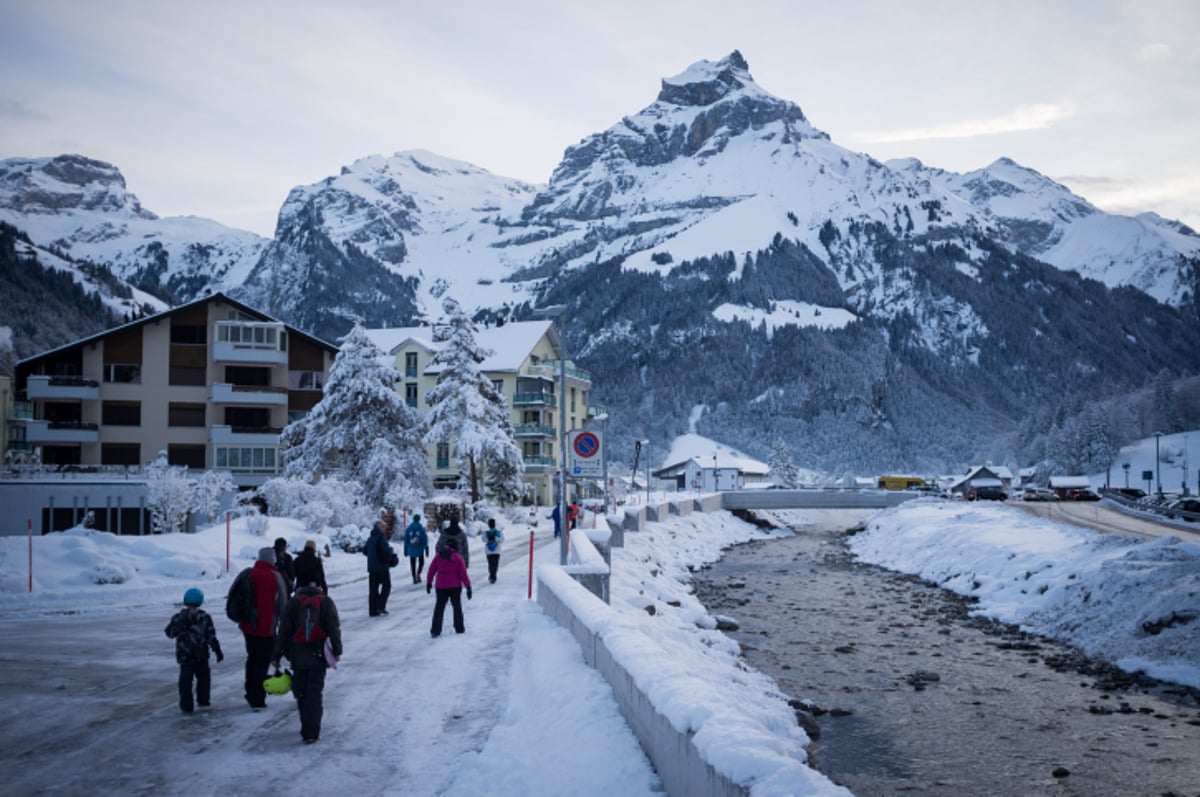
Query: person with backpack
<point>309,569</point>
<point>491,543</point>
<point>194,635</point>
<point>285,564</point>
<point>255,602</point>
<point>448,572</point>
<point>309,620</point>
<point>454,536</point>
<point>379,563</point>
<point>416,547</point>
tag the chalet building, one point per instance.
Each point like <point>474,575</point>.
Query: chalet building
<point>983,476</point>
<point>524,365</point>
<point>212,383</point>
<point>710,474</point>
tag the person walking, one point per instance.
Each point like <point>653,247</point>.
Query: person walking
<point>491,543</point>
<point>265,593</point>
<point>379,577</point>
<point>309,619</point>
<point>309,568</point>
<point>448,572</point>
<point>416,547</point>
<point>194,635</point>
<point>285,564</point>
<point>556,516</point>
<point>454,536</point>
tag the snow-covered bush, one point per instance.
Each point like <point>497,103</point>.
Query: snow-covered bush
<point>350,538</point>
<point>168,495</point>
<point>211,490</point>
<point>330,503</point>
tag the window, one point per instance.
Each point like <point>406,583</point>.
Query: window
<point>121,413</point>
<point>443,455</point>
<point>191,456</point>
<point>499,385</point>
<point>250,377</point>
<point>410,363</point>
<point>179,414</point>
<point>305,380</point>
<point>251,459</point>
<point>191,334</point>
<point>410,394</point>
<point>183,375</point>
<point>121,373</point>
<point>572,401</point>
<point>120,454</point>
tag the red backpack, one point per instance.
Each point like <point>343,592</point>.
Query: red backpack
<point>308,620</point>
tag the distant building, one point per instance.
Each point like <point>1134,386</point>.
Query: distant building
<point>721,471</point>
<point>982,476</point>
<point>524,367</point>
<point>212,383</point>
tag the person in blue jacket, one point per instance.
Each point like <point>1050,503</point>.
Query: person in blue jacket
<point>416,547</point>
<point>556,516</point>
<point>492,538</point>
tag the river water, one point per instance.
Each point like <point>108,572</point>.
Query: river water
<point>912,695</point>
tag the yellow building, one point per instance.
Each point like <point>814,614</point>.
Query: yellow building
<point>524,365</point>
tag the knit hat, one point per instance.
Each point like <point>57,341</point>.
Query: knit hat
<point>266,555</point>
<point>416,517</point>
<point>311,545</point>
<point>193,597</point>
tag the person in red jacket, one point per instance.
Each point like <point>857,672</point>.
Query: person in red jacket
<point>269,595</point>
<point>448,572</point>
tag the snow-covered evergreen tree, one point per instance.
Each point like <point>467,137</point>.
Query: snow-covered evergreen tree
<point>168,495</point>
<point>782,471</point>
<point>362,428</point>
<point>1166,413</point>
<point>467,411</point>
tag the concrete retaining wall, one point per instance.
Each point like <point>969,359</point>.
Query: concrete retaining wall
<point>680,766</point>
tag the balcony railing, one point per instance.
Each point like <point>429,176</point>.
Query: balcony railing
<point>61,387</point>
<point>540,462</point>
<point>533,430</point>
<point>549,368</point>
<point>226,393</point>
<point>61,432</point>
<point>244,435</point>
<point>543,398</point>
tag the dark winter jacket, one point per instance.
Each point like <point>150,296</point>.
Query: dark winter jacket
<point>270,595</point>
<point>310,570</point>
<point>416,540</point>
<point>378,549</point>
<point>194,635</point>
<point>306,655</point>
<point>286,565</point>
<point>456,539</point>
<point>447,570</point>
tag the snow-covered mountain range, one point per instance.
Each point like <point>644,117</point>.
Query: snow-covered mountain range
<point>837,292</point>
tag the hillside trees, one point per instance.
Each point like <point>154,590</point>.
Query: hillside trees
<point>361,429</point>
<point>469,413</point>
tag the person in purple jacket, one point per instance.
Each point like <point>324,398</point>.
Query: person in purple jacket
<point>448,572</point>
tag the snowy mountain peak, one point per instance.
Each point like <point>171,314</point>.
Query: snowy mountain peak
<point>706,82</point>
<point>66,183</point>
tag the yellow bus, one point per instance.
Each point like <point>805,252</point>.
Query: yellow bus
<point>899,482</point>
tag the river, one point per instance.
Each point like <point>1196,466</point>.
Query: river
<point>910,694</point>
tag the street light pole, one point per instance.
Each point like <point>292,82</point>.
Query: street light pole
<point>1157,471</point>
<point>555,312</point>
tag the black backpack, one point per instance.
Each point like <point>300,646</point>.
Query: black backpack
<point>239,603</point>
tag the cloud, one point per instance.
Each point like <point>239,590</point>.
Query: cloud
<point>1026,117</point>
<point>1153,53</point>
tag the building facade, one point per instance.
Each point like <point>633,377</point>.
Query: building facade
<point>212,383</point>
<point>525,365</point>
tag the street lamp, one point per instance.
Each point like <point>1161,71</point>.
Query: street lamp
<point>554,312</point>
<point>1157,472</point>
<point>646,450</point>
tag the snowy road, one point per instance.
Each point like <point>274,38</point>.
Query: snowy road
<point>1101,516</point>
<point>90,704</point>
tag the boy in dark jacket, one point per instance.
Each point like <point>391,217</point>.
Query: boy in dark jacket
<point>309,569</point>
<point>308,657</point>
<point>285,564</point>
<point>194,635</point>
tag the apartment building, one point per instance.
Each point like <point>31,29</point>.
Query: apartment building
<point>212,383</point>
<point>524,365</point>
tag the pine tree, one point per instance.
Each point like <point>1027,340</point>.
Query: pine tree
<point>361,429</point>
<point>782,471</point>
<point>1166,413</point>
<point>467,411</point>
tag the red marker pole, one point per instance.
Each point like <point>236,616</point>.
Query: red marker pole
<point>31,556</point>
<point>529,594</point>
<point>226,542</point>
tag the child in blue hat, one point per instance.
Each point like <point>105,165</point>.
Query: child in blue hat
<point>194,634</point>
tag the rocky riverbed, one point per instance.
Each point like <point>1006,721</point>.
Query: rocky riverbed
<point>905,692</point>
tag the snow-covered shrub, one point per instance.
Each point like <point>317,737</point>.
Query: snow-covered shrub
<point>110,572</point>
<point>256,522</point>
<point>350,538</point>
<point>212,488</point>
<point>168,495</point>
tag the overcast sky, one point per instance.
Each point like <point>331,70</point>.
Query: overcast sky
<point>218,108</point>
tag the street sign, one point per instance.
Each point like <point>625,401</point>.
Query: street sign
<point>585,456</point>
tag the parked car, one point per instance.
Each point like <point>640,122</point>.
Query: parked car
<point>987,493</point>
<point>1039,494</point>
<point>1082,494</point>
<point>1188,505</point>
<point>1132,493</point>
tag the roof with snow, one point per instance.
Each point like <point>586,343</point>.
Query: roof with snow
<point>507,346</point>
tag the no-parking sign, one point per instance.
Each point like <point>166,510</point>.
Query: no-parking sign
<point>585,455</point>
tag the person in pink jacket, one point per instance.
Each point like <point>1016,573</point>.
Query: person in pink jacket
<point>448,572</point>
